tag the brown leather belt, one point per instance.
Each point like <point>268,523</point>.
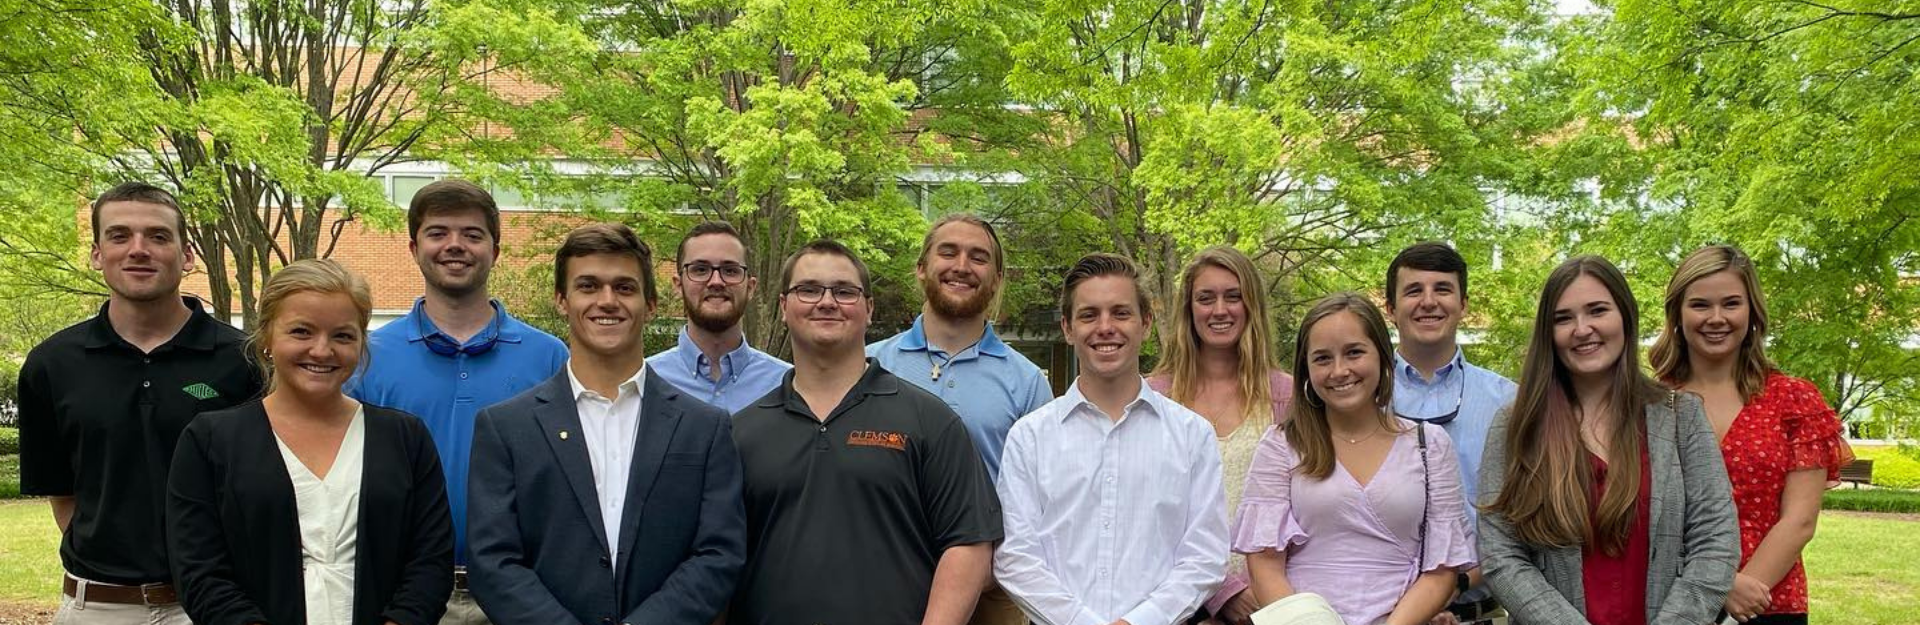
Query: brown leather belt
<point>149,594</point>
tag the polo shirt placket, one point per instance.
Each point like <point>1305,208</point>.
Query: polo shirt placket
<point>990,385</point>
<point>445,391</point>
<point>847,516</point>
<point>99,420</point>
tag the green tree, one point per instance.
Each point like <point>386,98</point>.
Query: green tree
<point>791,120</point>
<point>1311,135</point>
<point>1785,127</point>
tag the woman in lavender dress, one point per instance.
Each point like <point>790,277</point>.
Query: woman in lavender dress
<point>1342,500</point>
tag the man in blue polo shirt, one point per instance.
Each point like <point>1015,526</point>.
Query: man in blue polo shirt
<point>1433,382</point>
<point>458,350</point>
<point>952,352</point>
<point>713,362</point>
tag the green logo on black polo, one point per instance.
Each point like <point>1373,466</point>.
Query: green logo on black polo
<point>201,391</point>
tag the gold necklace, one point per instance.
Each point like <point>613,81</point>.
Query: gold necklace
<point>1356,441</point>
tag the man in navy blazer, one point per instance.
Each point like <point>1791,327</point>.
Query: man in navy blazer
<point>604,495</point>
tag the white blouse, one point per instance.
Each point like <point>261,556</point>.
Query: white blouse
<point>329,525</point>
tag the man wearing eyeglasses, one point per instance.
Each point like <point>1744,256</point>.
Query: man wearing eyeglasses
<point>866,502</point>
<point>457,351</point>
<point>1433,382</point>
<point>712,361</point>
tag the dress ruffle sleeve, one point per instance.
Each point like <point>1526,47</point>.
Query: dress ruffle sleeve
<point>1812,428</point>
<point>1265,519</point>
<point>1450,533</point>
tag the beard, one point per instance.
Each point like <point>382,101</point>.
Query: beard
<point>715,322</point>
<point>958,308</point>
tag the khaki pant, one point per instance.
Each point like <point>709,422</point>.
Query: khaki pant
<point>462,610</point>
<point>74,612</point>
<point>996,608</point>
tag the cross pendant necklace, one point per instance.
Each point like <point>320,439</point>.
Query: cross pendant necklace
<point>948,360</point>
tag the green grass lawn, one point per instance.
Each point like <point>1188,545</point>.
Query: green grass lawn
<point>1891,468</point>
<point>29,552</point>
<point>1862,567</point>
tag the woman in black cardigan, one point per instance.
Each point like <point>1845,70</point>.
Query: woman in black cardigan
<point>306,507</point>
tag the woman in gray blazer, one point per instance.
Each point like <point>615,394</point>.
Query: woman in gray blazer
<point>1604,498</point>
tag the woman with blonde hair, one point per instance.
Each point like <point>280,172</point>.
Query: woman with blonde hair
<point>1780,440</point>
<point>1217,360</point>
<point>1345,500</point>
<point>1604,499</point>
<point>306,506</point>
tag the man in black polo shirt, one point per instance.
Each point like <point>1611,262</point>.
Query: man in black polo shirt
<point>103,402</point>
<point>866,502</point>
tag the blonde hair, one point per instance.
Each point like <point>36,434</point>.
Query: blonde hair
<point>1180,341</point>
<point>1306,428</point>
<point>324,276</point>
<point>1672,363</point>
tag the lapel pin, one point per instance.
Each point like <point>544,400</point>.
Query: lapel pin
<point>563,435</point>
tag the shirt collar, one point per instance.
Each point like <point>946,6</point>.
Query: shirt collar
<point>1078,400</point>
<point>876,380</point>
<point>1404,368</point>
<point>195,334</point>
<point>419,326</point>
<point>636,384</point>
<point>915,339</point>
<point>691,356</point>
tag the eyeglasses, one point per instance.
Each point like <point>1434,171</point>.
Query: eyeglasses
<point>812,293</point>
<point>1445,418</point>
<point>730,273</point>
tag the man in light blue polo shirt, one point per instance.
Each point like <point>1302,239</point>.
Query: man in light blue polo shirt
<point>1432,380</point>
<point>952,352</point>
<point>712,361</point>
<point>458,350</point>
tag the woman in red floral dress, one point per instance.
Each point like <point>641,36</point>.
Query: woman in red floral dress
<point>1780,441</point>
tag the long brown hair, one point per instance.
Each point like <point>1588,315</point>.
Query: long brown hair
<point>1547,481</point>
<point>1180,342</point>
<point>1306,427</point>
<point>1672,362</point>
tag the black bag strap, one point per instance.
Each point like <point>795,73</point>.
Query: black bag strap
<point>1426,494</point>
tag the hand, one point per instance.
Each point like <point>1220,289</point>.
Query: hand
<point>1444,618</point>
<point>1239,610</point>
<point>1749,598</point>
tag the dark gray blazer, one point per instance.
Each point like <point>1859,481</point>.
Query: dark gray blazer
<point>1695,534</point>
<point>539,548</point>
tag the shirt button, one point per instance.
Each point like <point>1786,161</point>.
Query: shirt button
<point>146,384</point>
<point>949,383</point>
<point>605,563</point>
<point>463,375</point>
<point>823,429</point>
<point>147,360</point>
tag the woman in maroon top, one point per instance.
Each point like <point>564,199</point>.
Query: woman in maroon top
<point>1780,441</point>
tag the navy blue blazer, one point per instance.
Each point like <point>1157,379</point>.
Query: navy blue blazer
<point>538,552</point>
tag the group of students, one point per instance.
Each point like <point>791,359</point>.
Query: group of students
<point>459,466</point>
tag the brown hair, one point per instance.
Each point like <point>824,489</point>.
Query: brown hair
<point>1096,265</point>
<point>1425,256</point>
<point>829,247</point>
<point>926,243</point>
<point>136,191</point>
<point>712,227</point>
<point>1306,428</point>
<point>314,275</point>
<point>453,195</point>
<point>1671,361</point>
<point>1180,341</point>
<point>604,238</point>
<point>1547,483</point>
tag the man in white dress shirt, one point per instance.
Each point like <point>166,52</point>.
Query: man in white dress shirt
<point>1114,510</point>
